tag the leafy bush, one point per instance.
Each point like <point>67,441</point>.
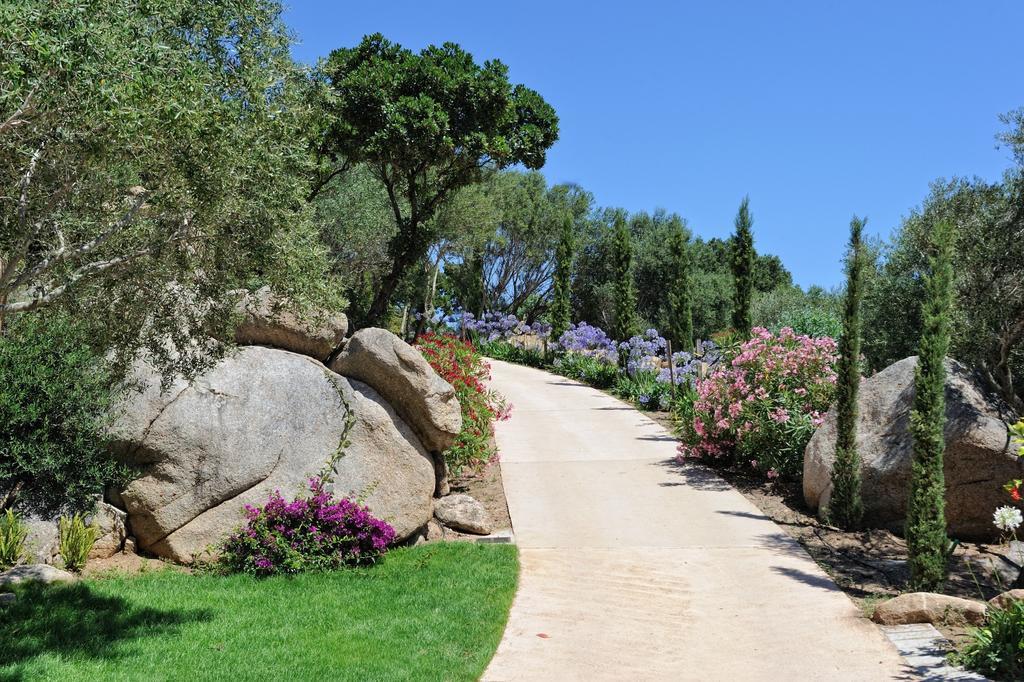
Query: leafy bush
<point>644,389</point>
<point>492,326</point>
<point>762,405</point>
<point>317,533</point>
<point>509,352</point>
<point>12,539</point>
<point>589,369</point>
<point>76,541</point>
<point>997,649</point>
<point>461,365</point>
<point>55,397</point>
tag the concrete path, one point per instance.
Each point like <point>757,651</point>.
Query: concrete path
<point>636,568</point>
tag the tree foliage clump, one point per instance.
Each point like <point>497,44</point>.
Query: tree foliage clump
<point>55,402</point>
<point>846,508</point>
<point>151,156</point>
<point>426,125</point>
<point>561,305</point>
<point>743,269</point>
<point>680,294</point>
<point>926,514</point>
<point>625,322</point>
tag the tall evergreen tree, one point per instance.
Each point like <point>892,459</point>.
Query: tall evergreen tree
<point>679,299</point>
<point>926,514</point>
<point>561,306</point>
<point>625,323</point>
<point>743,268</point>
<point>846,508</point>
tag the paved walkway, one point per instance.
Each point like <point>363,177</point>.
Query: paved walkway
<point>636,568</point>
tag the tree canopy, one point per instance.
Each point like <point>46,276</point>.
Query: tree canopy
<point>426,124</point>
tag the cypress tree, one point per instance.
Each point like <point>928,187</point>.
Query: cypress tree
<point>743,269</point>
<point>625,323</point>
<point>561,307</point>
<point>679,299</point>
<point>845,508</point>
<point>926,514</point>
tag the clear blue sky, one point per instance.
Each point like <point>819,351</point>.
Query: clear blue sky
<point>817,110</point>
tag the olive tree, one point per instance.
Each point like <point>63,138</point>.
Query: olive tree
<point>152,160</point>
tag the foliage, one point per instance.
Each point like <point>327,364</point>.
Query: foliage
<point>13,533</point>
<point>742,268</point>
<point>76,539</point>
<point>510,352</point>
<point>680,294</point>
<point>643,353</point>
<point>55,400</point>
<point>987,314</point>
<point>493,326</point>
<point>625,322</point>
<point>461,365</point>
<point>593,370</point>
<point>762,404</point>
<point>645,390</point>
<point>997,649</point>
<point>152,155</point>
<point>846,508</point>
<point>373,623</point>
<point>815,312</point>
<point>315,533</point>
<point>427,125</point>
<point>926,519</point>
<point>561,305</point>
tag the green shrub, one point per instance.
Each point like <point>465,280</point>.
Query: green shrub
<point>55,398</point>
<point>503,350</point>
<point>12,539</point>
<point>997,649</point>
<point>76,541</point>
<point>594,371</point>
<point>644,390</point>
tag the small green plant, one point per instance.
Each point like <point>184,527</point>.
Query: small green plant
<point>997,649</point>
<point>12,539</point>
<point>76,541</point>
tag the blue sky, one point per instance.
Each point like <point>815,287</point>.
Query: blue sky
<point>817,110</point>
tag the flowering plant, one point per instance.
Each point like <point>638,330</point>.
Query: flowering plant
<point>461,365</point>
<point>762,404</point>
<point>314,533</point>
<point>494,326</point>
<point>586,339</point>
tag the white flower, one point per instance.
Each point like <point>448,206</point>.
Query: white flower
<point>1007,518</point>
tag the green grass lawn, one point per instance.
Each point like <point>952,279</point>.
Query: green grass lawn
<point>433,612</point>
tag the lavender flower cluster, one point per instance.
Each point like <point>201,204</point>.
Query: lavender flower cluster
<point>494,326</point>
<point>589,340</point>
<point>643,353</point>
<point>314,533</point>
<point>690,366</point>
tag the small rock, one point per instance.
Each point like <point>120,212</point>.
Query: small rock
<point>42,543</point>
<point>111,523</point>
<point>1005,599</point>
<point>129,545</point>
<point>268,320</point>
<point>435,531</point>
<point>463,513</point>
<point>8,598</point>
<point>42,573</point>
<point>926,607</point>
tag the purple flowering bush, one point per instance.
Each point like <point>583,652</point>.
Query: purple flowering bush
<point>588,340</point>
<point>493,326</point>
<point>314,533</point>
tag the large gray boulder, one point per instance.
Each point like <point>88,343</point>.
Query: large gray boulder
<point>260,420</point>
<point>268,320</point>
<point>978,460</point>
<point>399,372</point>
<point>36,573</point>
